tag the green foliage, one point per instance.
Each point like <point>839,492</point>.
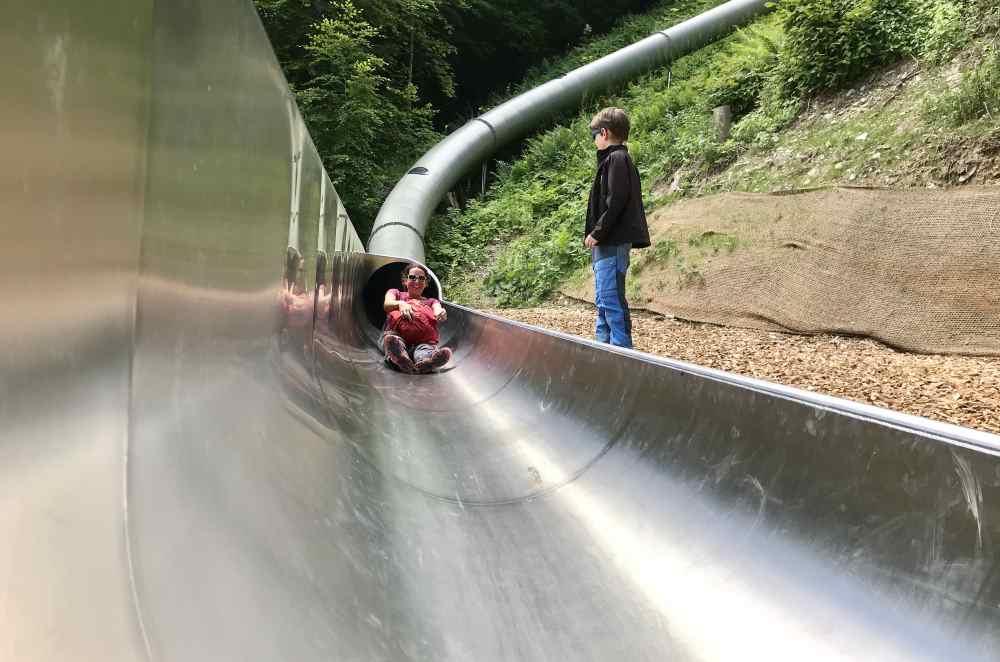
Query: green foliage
<point>944,31</point>
<point>524,238</point>
<point>399,28</point>
<point>663,250</point>
<point>750,81</point>
<point>526,273</point>
<point>951,25</point>
<point>363,111</point>
<point>377,126</point>
<point>370,73</point>
<point>831,42</point>
<point>689,274</point>
<point>984,18</point>
<point>977,96</point>
<point>759,127</point>
<point>747,68</point>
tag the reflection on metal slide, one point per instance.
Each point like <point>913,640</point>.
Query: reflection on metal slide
<point>203,456</point>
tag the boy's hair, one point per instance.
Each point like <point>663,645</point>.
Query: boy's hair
<point>615,120</point>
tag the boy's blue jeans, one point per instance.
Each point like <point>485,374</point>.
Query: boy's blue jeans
<point>610,263</point>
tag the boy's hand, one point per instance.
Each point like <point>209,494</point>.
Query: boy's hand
<point>590,242</point>
<point>406,310</point>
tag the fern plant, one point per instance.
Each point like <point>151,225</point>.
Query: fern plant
<point>746,66</point>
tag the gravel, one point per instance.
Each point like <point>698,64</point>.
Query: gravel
<point>955,389</point>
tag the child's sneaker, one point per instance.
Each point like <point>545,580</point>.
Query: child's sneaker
<point>395,350</point>
<point>439,358</point>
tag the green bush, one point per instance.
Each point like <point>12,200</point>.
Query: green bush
<point>831,42</point>
<point>945,31</point>
<point>977,96</point>
<point>745,70</point>
<point>758,128</point>
<point>984,18</point>
<point>530,269</point>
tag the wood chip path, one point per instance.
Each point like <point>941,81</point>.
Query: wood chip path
<point>955,389</point>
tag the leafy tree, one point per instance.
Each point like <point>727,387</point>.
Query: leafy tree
<point>367,127</point>
<point>408,31</point>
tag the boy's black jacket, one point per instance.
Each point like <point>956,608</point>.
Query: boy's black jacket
<point>614,212</point>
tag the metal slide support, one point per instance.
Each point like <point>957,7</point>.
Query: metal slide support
<point>412,201</point>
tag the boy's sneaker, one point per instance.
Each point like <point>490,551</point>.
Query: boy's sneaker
<point>438,359</point>
<point>395,351</point>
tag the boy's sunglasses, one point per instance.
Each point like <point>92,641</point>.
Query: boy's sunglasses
<point>595,132</point>
<point>419,279</point>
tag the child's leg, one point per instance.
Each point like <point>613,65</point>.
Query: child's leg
<point>429,357</point>
<point>395,351</point>
<point>602,332</point>
<point>601,329</point>
<point>610,267</point>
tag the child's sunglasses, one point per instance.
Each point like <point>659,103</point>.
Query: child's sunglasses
<point>594,133</point>
<point>419,279</point>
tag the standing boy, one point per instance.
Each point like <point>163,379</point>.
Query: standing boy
<point>616,223</point>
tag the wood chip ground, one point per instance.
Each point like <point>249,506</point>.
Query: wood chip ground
<point>955,389</point>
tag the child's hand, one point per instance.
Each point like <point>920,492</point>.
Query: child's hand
<point>590,242</point>
<point>441,314</point>
<point>406,310</point>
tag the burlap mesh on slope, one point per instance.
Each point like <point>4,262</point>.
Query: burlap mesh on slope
<point>916,269</point>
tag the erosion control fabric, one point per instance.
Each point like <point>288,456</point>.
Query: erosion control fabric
<point>916,269</point>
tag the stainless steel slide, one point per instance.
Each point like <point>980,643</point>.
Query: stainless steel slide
<point>202,456</point>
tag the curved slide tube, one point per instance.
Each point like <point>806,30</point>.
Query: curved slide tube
<point>203,456</point>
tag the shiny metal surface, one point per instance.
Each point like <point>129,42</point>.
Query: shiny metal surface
<point>72,132</point>
<point>197,464</point>
<point>402,220</point>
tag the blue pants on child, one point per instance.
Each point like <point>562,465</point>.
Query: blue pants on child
<point>614,324</point>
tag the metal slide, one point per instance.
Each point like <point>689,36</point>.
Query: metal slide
<point>195,465</point>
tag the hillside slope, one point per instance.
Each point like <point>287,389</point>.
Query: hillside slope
<point>927,122</point>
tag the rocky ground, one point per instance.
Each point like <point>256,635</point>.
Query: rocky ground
<point>954,389</point>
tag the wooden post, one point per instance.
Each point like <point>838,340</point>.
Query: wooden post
<point>723,122</point>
